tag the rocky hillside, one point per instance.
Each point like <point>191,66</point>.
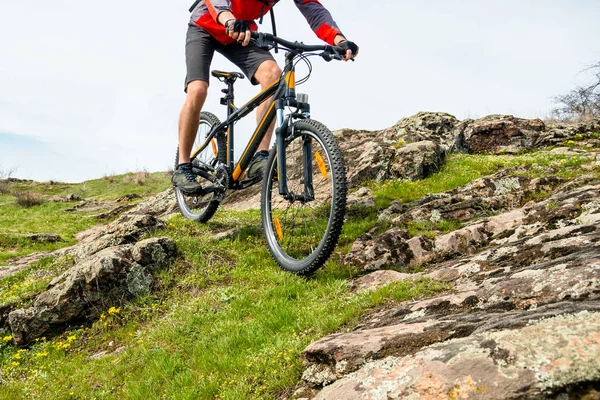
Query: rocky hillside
<point>517,250</point>
<point>523,319</point>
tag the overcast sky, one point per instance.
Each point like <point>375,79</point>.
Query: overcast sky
<point>95,88</point>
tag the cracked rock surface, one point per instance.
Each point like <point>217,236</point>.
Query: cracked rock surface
<point>523,318</point>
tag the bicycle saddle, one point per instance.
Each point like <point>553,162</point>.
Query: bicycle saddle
<point>231,75</point>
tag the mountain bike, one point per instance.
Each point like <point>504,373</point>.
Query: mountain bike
<point>303,197</point>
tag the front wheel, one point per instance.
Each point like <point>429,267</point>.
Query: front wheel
<point>303,230</point>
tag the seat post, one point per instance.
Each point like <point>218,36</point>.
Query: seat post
<point>230,96</point>
<point>227,100</point>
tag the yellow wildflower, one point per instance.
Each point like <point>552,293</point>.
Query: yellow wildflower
<point>71,338</point>
<point>15,363</point>
<point>7,338</point>
<point>114,311</point>
<point>17,356</point>
<point>62,346</point>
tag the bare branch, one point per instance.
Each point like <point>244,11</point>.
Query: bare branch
<point>581,102</point>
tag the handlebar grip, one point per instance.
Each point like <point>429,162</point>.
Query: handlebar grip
<point>340,50</point>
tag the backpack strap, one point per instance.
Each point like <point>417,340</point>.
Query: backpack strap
<point>262,14</point>
<point>274,27</point>
<point>194,5</point>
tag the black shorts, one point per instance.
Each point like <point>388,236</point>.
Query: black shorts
<point>200,47</point>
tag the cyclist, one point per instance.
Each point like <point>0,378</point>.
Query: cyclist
<point>224,26</point>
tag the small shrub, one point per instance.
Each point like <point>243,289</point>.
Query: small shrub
<point>139,177</point>
<point>4,187</point>
<point>109,178</point>
<point>5,175</point>
<point>28,199</point>
<point>583,102</point>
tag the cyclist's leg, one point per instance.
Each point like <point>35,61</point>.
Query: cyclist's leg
<point>199,51</point>
<point>188,119</point>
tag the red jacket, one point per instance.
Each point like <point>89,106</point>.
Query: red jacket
<point>206,12</point>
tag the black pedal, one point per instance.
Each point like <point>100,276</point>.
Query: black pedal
<point>223,101</point>
<point>225,91</point>
<point>249,182</point>
<point>197,192</point>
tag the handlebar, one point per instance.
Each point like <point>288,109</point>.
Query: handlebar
<point>267,41</point>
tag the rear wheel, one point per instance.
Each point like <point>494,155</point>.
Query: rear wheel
<point>302,231</point>
<point>197,207</point>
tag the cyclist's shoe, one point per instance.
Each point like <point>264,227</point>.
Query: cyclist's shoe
<point>185,180</point>
<point>257,166</point>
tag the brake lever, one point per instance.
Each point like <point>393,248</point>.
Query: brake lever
<point>262,43</point>
<point>336,55</point>
<point>327,56</point>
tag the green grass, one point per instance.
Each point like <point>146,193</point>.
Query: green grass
<point>23,285</point>
<point>461,169</point>
<point>51,217</point>
<point>107,188</point>
<point>225,322</point>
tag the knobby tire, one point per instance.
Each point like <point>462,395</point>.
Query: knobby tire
<point>304,264</point>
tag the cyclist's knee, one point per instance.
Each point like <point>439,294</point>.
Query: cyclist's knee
<point>267,73</point>
<point>197,91</point>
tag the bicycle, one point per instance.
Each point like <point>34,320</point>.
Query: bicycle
<point>303,197</point>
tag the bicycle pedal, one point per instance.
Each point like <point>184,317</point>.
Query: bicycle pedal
<point>215,188</point>
<point>198,192</point>
<point>249,182</point>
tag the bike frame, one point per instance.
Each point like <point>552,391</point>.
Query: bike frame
<point>284,94</point>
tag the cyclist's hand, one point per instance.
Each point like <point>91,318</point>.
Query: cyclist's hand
<point>350,47</point>
<point>238,30</point>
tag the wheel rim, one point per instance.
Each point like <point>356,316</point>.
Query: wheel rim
<point>194,206</point>
<point>297,230</point>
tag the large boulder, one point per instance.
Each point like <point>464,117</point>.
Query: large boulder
<point>437,127</point>
<point>417,160</point>
<point>126,229</point>
<point>501,134</point>
<point>102,280</point>
<point>368,155</point>
<point>422,139</point>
